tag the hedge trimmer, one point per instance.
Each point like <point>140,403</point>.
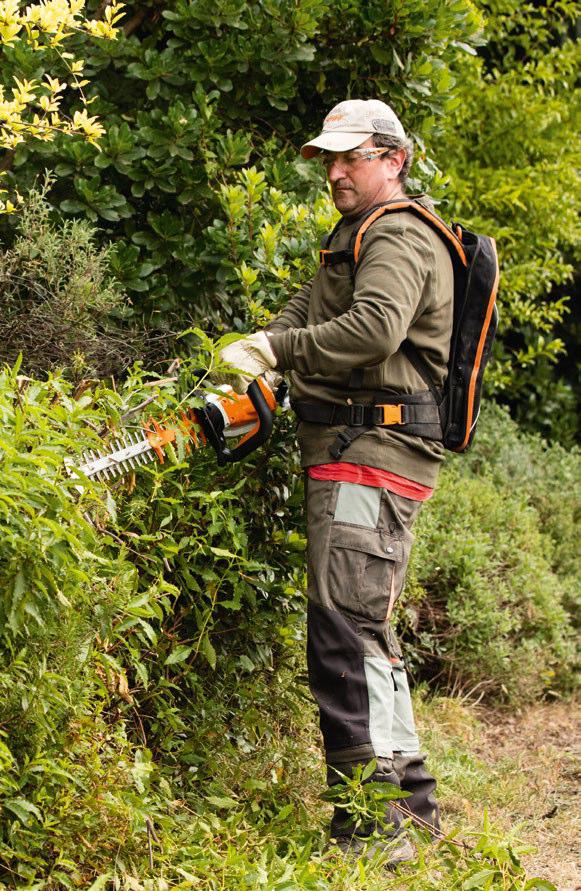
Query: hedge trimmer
<point>224,415</point>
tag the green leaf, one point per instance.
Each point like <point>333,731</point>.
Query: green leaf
<point>208,650</point>
<point>283,813</point>
<point>246,663</point>
<point>369,770</point>
<point>23,809</point>
<point>222,801</point>
<point>539,885</point>
<point>478,880</point>
<point>180,654</point>
<point>222,552</point>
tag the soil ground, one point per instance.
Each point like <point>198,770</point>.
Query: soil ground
<point>538,753</point>
<point>522,769</point>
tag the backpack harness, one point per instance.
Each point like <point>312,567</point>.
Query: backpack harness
<point>449,413</point>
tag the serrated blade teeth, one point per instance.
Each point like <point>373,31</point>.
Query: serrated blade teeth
<point>129,451</point>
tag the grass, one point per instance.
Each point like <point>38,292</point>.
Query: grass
<point>513,769</point>
<point>249,817</point>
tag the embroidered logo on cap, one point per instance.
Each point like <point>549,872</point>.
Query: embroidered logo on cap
<point>382,125</point>
<point>333,120</point>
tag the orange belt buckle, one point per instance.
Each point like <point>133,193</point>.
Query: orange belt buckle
<point>392,414</point>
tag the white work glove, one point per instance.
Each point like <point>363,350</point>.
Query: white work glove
<point>252,355</point>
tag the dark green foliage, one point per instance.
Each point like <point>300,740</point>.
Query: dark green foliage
<point>511,151</point>
<point>62,308</point>
<point>191,93</point>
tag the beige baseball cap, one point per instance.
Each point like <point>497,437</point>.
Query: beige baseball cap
<point>350,123</point>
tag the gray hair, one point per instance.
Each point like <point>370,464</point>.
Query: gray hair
<point>394,142</point>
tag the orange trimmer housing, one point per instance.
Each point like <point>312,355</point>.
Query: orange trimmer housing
<point>225,416</point>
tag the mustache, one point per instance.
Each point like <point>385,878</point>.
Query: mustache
<point>339,185</point>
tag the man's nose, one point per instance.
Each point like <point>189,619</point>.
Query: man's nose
<point>335,171</point>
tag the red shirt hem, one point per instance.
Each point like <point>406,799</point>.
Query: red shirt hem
<point>344,472</point>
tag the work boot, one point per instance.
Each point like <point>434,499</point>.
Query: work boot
<point>415,779</point>
<point>396,850</point>
<point>386,836</point>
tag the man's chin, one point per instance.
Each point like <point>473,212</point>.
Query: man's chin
<point>344,201</point>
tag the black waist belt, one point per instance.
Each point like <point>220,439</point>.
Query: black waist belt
<point>416,414</point>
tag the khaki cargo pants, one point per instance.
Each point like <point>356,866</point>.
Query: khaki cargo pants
<point>359,541</point>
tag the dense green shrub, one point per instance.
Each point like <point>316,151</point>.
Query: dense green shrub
<point>61,306</point>
<point>61,589</point>
<point>509,150</point>
<point>188,95</point>
<point>545,475</point>
<point>152,643</point>
<point>495,574</point>
<point>108,617</point>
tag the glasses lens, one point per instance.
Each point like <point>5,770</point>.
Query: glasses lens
<point>327,159</point>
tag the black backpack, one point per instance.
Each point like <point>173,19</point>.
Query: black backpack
<point>475,321</point>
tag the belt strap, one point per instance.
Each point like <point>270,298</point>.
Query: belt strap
<point>392,413</point>
<point>344,439</point>
<point>413,413</point>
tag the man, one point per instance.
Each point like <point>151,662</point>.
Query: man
<point>342,340</point>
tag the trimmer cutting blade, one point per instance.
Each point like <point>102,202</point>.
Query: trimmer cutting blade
<point>131,451</point>
<point>227,414</point>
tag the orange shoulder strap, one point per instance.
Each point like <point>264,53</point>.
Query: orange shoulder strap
<point>452,240</point>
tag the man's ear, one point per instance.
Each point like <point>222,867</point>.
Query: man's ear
<point>394,162</point>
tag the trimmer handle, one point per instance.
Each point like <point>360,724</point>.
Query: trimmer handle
<point>263,431</point>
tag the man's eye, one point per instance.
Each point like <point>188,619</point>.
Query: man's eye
<point>328,160</point>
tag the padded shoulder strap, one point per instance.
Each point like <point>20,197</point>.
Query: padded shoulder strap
<point>450,238</point>
<point>329,238</point>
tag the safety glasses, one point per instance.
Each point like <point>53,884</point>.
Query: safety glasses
<point>350,159</point>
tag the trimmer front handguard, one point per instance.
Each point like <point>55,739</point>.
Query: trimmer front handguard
<point>211,421</point>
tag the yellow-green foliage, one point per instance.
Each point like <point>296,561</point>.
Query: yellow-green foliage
<point>32,108</point>
<point>152,636</point>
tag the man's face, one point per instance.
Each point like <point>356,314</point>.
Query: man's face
<point>358,183</point>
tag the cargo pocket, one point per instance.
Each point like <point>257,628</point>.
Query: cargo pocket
<point>364,570</point>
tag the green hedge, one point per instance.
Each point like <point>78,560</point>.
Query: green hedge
<point>153,637</point>
<point>495,571</point>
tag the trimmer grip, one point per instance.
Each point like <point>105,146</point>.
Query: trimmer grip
<point>265,421</point>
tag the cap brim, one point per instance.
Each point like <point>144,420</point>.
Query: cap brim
<point>333,142</point>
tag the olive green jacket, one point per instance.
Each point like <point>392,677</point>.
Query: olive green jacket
<point>403,288</point>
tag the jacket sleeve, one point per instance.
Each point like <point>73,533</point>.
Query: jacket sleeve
<point>394,264</point>
<point>295,313</point>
